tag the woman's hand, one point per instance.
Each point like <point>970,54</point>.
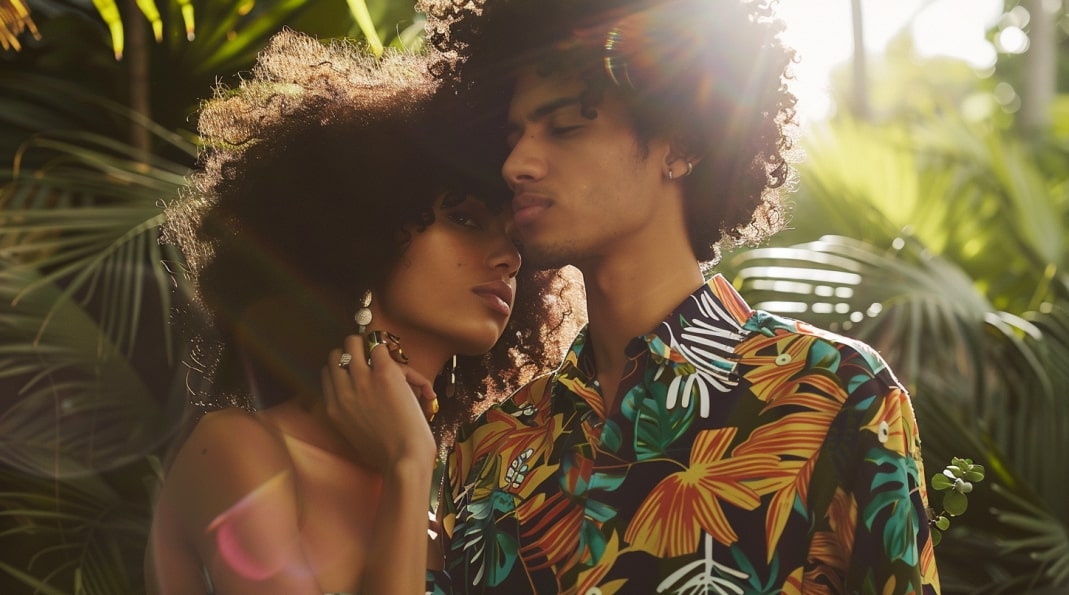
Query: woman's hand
<point>379,409</point>
<point>377,405</point>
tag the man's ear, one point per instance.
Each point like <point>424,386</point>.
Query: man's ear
<point>686,147</point>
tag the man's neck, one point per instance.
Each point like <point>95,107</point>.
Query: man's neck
<point>628,295</point>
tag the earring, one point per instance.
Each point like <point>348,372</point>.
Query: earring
<point>363,314</point>
<point>690,170</point>
<point>451,383</point>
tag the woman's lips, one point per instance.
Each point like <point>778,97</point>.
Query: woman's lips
<point>497,294</point>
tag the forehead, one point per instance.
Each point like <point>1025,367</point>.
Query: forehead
<point>535,92</point>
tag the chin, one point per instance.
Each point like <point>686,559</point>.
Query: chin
<point>479,344</point>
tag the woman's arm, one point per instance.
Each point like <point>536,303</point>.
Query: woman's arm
<point>377,410</point>
<point>229,505</point>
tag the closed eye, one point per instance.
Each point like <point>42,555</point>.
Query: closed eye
<point>563,131</point>
<point>464,219</point>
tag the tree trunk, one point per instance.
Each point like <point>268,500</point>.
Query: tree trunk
<point>860,96</point>
<point>1040,69</point>
<point>137,64</point>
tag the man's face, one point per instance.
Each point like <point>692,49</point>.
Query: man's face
<point>583,188</point>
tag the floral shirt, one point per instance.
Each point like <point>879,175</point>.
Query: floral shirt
<point>750,454</point>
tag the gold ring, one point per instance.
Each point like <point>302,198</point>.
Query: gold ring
<point>369,350</point>
<point>390,340</point>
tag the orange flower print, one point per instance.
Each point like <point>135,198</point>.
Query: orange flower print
<point>842,517</point>
<point>733,302</point>
<point>669,522</point>
<point>591,578</point>
<point>776,362</point>
<point>515,447</point>
<point>929,573</point>
<point>888,425</point>
<point>797,438</point>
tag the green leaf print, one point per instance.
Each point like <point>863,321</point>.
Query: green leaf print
<point>656,428</point>
<point>891,493</point>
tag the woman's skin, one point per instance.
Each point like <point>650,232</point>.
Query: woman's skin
<point>293,500</point>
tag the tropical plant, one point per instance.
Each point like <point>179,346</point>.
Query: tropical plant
<point>941,245</point>
<point>91,375</point>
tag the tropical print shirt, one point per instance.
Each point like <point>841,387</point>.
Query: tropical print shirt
<point>750,454</point>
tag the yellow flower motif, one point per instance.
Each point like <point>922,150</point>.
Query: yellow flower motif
<point>776,362</point>
<point>670,521</point>
<point>888,425</point>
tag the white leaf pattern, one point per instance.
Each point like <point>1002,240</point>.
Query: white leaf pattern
<point>707,345</point>
<point>697,577</point>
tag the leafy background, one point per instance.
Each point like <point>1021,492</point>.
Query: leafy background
<point>923,225</point>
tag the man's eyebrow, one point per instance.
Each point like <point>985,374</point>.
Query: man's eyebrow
<point>548,108</point>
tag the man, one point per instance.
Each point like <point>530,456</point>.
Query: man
<point>687,444</point>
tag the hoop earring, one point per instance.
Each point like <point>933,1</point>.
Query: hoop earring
<point>671,176</point>
<point>363,314</point>
<point>690,169</point>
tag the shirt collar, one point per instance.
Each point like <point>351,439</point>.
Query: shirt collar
<point>709,320</point>
<point>715,310</point>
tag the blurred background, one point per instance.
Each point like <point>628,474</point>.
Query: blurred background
<point>929,220</point>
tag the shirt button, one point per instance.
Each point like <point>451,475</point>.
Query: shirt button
<point>783,359</point>
<point>593,591</point>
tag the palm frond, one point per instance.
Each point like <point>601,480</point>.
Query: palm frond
<point>79,399</point>
<point>14,20</point>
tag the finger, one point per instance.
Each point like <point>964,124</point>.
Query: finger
<point>379,356</point>
<point>430,409</point>
<point>354,345</point>
<point>327,383</point>
<point>423,388</point>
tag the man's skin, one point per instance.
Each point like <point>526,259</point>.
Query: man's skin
<point>586,194</point>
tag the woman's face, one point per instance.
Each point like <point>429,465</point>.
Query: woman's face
<point>455,284</point>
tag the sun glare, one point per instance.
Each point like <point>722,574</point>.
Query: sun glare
<point>821,31</point>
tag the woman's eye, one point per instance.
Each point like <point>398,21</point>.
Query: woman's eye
<point>463,219</point>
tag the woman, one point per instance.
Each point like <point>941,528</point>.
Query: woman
<point>322,210</point>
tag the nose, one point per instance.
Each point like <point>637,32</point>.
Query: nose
<point>525,163</point>
<point>505,256</point>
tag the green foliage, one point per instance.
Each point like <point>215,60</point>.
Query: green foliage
<point>957,481</point>
<point>941,244</point>
<point>92,377</point>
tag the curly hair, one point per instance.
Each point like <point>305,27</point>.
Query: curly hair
<point>709,75</point>
<point>314,172</point>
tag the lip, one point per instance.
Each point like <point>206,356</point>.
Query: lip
<point>528,206</point>
<point>497,294</point>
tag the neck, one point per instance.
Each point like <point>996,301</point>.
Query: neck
<point>425,359</point>
<point>630,293</point>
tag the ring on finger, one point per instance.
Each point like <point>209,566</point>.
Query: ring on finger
<point>345,360</point>
<point>371,348</point>
<point>390,340</point>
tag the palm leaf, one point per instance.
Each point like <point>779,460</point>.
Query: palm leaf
<point>947,257</point>
<point>91,535</point>
<point>79,399</point>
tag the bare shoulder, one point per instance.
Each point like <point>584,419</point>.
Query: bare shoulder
<point>229,455</point>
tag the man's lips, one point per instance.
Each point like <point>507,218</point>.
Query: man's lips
<point>497,294</point>
<point>528,206</point>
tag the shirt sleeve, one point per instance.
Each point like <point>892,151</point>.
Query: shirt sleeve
<point>879,511</point>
